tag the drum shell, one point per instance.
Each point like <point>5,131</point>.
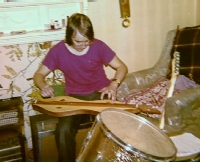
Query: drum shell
<point>102,145</point>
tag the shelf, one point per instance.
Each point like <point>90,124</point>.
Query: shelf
<point>31,37</point>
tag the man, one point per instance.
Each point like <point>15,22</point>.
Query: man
<point>81,58</point>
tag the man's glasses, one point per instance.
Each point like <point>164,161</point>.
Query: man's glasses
<point>87,42</point>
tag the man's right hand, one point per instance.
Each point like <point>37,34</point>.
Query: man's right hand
<point>47,91</point>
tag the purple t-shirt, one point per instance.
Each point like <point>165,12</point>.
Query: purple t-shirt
<point>83,74</point>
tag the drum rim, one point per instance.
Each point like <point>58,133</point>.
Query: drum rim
<point>127,146</point>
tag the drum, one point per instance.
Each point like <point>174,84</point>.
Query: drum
<point>120,136</point>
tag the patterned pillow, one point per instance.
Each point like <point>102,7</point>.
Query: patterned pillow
<point>154,96</point>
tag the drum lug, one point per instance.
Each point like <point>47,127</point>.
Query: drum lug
<point>89,136</point>
<point>99,156</point>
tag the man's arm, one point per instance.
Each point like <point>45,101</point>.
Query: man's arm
<point>121,71</point>
<point>120,68</point>
<point>39,80</point>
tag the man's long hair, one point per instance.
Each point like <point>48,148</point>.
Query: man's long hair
<point>79,22</point>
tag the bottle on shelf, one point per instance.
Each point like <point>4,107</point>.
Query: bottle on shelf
<point>56,24</point>
<point>52,24</point>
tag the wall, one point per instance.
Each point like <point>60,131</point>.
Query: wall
<point>140,45</point>
<point>198,11</point>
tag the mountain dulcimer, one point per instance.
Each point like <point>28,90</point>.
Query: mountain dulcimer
<point>61,106</point>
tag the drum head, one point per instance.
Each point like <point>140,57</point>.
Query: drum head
<point>137,132</point>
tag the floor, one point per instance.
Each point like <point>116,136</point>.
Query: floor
<point>49,151</point>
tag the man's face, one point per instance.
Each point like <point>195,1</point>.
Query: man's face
<point>80,42</point>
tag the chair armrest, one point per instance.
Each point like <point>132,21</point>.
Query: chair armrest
<point>138,81</point>
<point>182,113</point>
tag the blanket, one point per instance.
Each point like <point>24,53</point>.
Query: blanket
<point>187,42</point>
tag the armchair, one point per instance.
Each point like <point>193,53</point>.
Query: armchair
<point>187,42</point>
<point>182,109</point>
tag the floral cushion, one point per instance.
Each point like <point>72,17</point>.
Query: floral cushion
<point>154,96</point>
